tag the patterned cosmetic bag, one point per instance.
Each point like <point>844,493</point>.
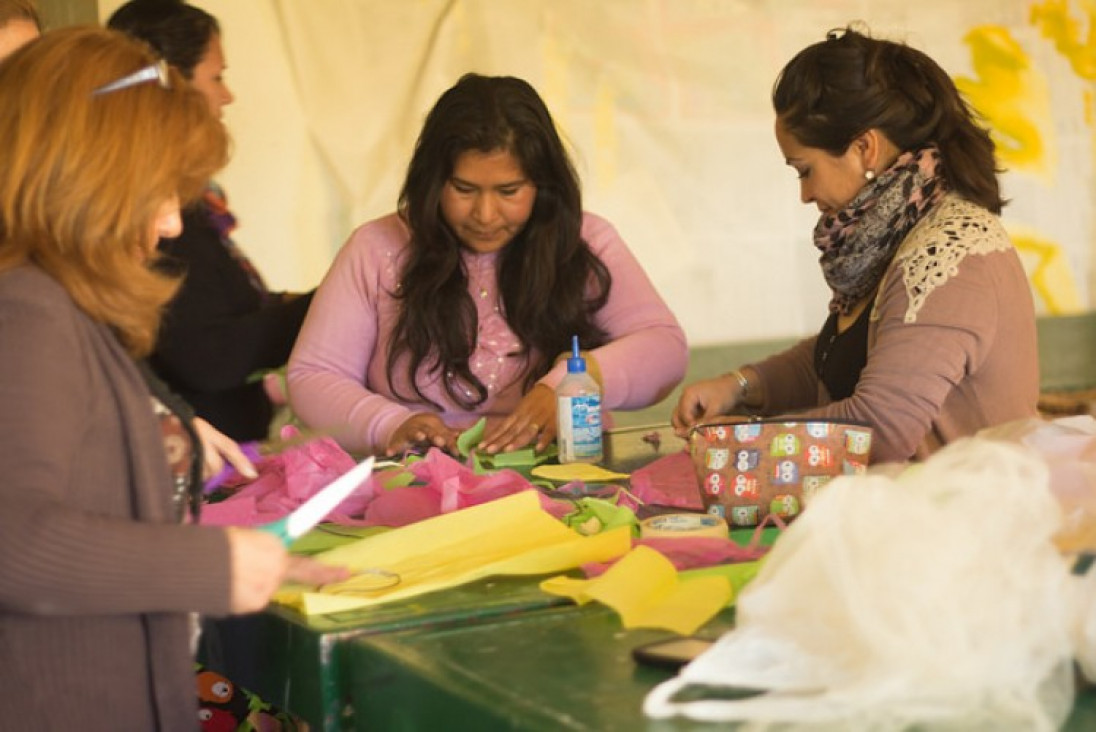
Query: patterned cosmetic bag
<point>747,470</point>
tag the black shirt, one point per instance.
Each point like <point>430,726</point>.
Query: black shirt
<point>840,357</point>
<point>219,330</point>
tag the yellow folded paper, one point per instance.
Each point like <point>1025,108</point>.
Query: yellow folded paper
<point>585,472</point>
<point>511,535</point>
<point>644,588</point>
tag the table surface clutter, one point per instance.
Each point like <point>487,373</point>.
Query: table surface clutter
<point>495,653</point>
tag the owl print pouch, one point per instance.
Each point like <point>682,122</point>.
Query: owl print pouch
<point>747,470</point>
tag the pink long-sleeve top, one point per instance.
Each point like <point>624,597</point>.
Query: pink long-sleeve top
<point>336,374</point>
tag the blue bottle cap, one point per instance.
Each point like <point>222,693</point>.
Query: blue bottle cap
<point>576,364</point>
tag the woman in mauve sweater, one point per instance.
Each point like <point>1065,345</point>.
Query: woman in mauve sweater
<point>462,303</point>
<point>931,330</point>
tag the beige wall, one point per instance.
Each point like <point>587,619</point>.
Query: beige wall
<point>57,13</point>
<point>666,105</point>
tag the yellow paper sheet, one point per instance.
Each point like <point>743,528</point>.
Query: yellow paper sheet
<point>645,590</point>
<point>568,472</point>
<point>511,535</point>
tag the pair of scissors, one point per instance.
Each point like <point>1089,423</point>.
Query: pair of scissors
<point>316,508</point>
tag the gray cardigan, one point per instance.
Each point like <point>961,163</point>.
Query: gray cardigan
<point>951,342</point>
<point>96,577</point>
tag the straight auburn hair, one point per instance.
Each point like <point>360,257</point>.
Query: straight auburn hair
<point>85,174</point>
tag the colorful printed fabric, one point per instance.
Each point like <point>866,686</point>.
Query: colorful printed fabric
<point>221,219</point>
<point>225,707</point>
<point>179,449</point>
<point>858,242</point>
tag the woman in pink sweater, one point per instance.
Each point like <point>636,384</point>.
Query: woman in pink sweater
<point>461,304</point>
<point>931,331</point>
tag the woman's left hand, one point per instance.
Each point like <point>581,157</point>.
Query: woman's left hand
<point>533,421</point>
<point>217,449</point>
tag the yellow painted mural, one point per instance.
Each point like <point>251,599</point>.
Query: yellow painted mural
<point>1050,273</point>
<point>1054,21</point>
<point>1013,97</point>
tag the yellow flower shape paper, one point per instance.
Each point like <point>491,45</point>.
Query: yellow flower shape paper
<point>644,588</point>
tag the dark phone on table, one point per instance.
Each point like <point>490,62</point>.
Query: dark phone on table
<point>672,653</point>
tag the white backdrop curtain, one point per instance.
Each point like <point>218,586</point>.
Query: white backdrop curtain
<point>665,104</point>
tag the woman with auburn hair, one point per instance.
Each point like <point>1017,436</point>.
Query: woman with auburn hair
<point>930,334</point>
<point>97,575</point>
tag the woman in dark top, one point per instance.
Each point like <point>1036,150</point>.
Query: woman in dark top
<point>224,326</point>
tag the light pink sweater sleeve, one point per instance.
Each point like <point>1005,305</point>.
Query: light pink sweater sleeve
<point>336,375</point>
<point>647,354</point>
<point>339,340</point>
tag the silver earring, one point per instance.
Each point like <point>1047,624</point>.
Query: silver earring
<point>869,174</point>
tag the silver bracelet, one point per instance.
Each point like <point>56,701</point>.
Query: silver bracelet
<point>743,382</point>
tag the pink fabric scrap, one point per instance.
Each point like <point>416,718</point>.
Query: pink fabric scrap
<point>691,552</point>
<point>447,486</point>
<point>287,480</point>
<point>669,481</point>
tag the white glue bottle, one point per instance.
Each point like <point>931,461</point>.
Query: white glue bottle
<point>578,412</point>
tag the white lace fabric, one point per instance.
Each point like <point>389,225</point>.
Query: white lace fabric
<point>935,248</point>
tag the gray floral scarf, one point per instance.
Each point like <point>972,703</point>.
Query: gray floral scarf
<point>859,242</point>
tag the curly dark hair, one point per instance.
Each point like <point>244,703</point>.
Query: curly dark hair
<point>550,282</point>
<point>835,90</point>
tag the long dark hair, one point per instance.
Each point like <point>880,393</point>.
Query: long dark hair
<point>550,282</point>
<point>837,89</point>
<point>178,32</point>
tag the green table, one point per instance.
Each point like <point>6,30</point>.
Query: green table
<point>300,664</point>
<point>556,669</point>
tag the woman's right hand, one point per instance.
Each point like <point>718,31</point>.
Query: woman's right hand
<point>218,449</point>
<point>424,429</point>
<point>705,400</point>
<point>258,563</point>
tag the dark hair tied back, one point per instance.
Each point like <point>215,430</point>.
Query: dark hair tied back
<point>834,91</point>
<point>177,32</point>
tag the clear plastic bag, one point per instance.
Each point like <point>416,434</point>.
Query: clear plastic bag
<point>935,598</point>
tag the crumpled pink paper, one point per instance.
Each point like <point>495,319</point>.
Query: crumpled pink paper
<point>285,481</point>
<point>691,552</point>
<point>668,481</point>
<point>288,479</point>
<point>446,486</point>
